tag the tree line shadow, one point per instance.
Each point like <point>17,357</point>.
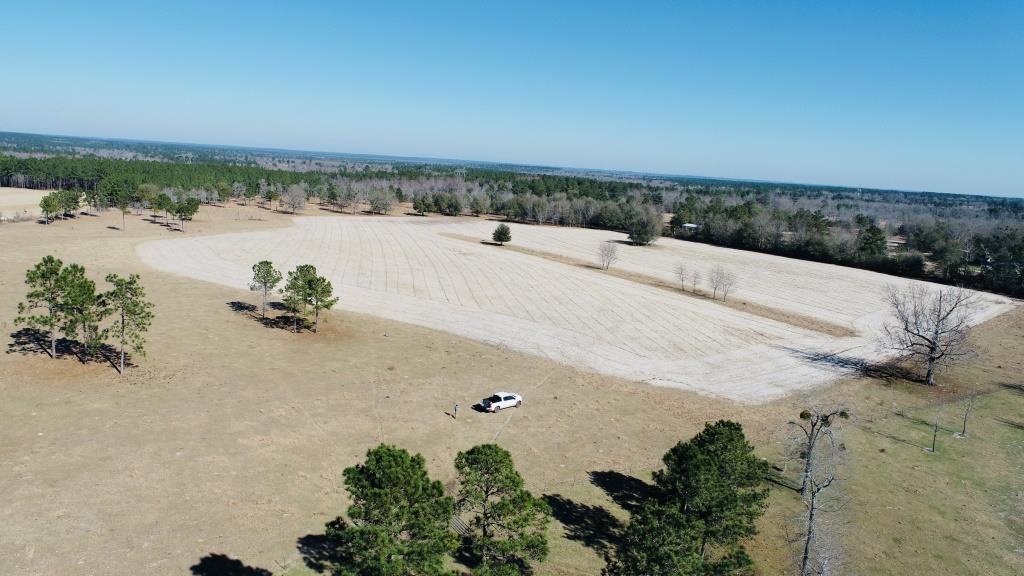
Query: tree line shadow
<point>283,320</point>
<point>35,342</point>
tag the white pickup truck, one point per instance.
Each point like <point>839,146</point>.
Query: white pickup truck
<point>500,400</point>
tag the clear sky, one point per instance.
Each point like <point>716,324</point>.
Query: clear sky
<point>913,95</point>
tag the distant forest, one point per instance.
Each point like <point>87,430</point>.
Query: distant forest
<point>975,241</point>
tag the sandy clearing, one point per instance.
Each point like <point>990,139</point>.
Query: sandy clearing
<point>837,294</point>
<point>19,202</point>
<point>404,269</point>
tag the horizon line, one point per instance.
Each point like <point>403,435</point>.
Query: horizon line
<point>409,159</point>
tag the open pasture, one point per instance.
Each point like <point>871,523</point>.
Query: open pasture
<point>412,270</point>
<point>19,203</point>
<point>228,439</point>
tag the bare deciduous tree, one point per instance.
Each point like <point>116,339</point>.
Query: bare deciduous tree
<point>969,401</point>
<point>728,284</point>
<point>819,554</point>
<point>721,281</point>
<point>816,443</point>
<point>930,325</point>
<point>608,254</point>
<point>935,426</point>
<point>695,279</point>
<point>715,278</point>
<point>814,424</point>
<point>682,275</point>
<point>295,197</point>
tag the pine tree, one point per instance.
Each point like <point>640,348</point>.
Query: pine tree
<point>708,497</point>
<point>264,278</point>
<point>84,309</point>
<point>508,524</point>
<point>320,296</point>
<point>47,283</point>
<point>295,293</point>
<point>133,313</point>
<point>502,234</point>
<point>716,480</point>
<point>399,518</point>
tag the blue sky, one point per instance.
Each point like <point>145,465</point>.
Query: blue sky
<point>911,95</point>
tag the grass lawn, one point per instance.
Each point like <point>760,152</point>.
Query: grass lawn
<point>957,511</point>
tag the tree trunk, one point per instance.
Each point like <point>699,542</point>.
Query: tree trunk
<point>929,378</point>
<point>263,314</point>
<point>121,370</point>
<point>53,334</point>
<point>316,320</point>
<point>805,558</point>
<point>808,463</point>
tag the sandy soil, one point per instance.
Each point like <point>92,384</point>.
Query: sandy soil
<point>837,294</point>
<point>19,202</point>
<point>229,437</point>
<point>412,270</point>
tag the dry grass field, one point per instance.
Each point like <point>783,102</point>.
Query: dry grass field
<point>227,441</point>
<point>19,203</point>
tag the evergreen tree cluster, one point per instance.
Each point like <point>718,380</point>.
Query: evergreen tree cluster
<point>304,293</point>
<point>401,521</point>
<point>62,299</point>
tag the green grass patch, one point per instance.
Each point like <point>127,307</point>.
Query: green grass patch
<point>955,511</point>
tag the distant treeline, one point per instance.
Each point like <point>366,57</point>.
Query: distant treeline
<point>974,241</point>
<point>936,250</point>
<point>87,173</point>
<point>971,240</point>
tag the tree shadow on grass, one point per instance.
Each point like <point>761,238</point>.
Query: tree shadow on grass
<point>923,422</point>
<point>222,565</point>
<point>889,371</point>
<point>319,552</point>
<point>627,491</point>
<point>593,526</point>
<point>242,307</point>
<point>893,437</point>
<point>332,209</point>
<point>281,321</point>
<point>1011,423</point>
<point>1014,388</point>
<point>35,342</point>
